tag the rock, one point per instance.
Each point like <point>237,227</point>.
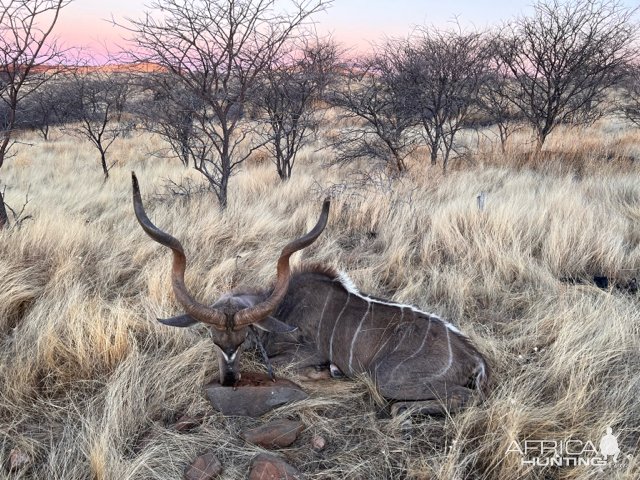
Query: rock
<point>275,434</point>
<point>318,443</point>
<point>18,460</point>
<point>254,395</point>
<point>205,467</point>
<point>270,467</point>
<point>186,423</point>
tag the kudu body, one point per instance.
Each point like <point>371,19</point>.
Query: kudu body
<point>316,318</point>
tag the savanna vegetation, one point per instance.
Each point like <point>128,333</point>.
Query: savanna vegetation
<point>522,230</point>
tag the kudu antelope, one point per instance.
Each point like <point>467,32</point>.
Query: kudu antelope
<point>317,318</point>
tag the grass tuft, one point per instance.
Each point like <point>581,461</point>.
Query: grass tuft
<point>91,385</point>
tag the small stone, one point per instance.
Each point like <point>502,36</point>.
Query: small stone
<point>18,460</point>
<point>270,467</point>
<point>275,434</point>
<point>318,443</point>
<point>186,423</point>
<point>254,395</point>
<point>205,467</point>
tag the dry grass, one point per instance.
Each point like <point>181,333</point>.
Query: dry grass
<point>91,385</point>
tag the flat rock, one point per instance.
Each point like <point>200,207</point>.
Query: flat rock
<point>270,467</point>
<point>253,396</point>
<point>275,434</point>
<point>204,467</point>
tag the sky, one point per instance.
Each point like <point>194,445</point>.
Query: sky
<point>355,23</point>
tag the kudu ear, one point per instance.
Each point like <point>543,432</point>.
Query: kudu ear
<point>271,324</point>
<point>179,321</point>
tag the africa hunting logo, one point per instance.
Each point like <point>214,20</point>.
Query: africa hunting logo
<point>569,453</point>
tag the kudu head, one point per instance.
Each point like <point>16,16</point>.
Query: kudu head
<point>230,317</point>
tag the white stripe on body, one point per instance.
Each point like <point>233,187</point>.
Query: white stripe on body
<point>350,287</point>
<point>355,335</point>
<point>333,332</point>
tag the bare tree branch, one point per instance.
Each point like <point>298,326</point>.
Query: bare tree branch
<point>562,61</point>
<point>444,71</point>
<point>26,45</point>
<point>216,50</point>
<point>374,98</point>
<point>286,97</point>
<point>101,96</point>
<point>628,102</point>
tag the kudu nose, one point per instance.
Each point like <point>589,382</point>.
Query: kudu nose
<point>229,379</point>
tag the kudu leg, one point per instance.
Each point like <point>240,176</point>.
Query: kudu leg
<point>307,362</point>
<point>263,352</point>
<point>426,407</point>
<point>456,398</point>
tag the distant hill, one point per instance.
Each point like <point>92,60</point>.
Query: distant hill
<point>141,67</point>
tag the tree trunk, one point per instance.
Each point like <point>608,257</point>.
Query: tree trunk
<point>225,175</point>
<point>503,138</point>
<point>280,168</point>
<point>400,166</point>
<point>105,168</point>
<point>4,218</point>
<point>287,171</point>
<point>222,194</point>
<point>4,146</point>
<point>281,164</point>
<point>184,153</point>
<point>435,143</point>
<point>445,156</point>
<point>447,148</point>
<point>434,156</point>
<point>540,138</point>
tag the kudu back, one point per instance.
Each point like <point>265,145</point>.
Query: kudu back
<point>316,318</point>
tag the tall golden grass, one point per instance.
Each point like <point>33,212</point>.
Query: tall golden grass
<point>91,385</point>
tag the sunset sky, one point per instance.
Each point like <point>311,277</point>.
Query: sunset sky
<point>355,23</point>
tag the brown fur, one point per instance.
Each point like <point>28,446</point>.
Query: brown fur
<point>411,355</point>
